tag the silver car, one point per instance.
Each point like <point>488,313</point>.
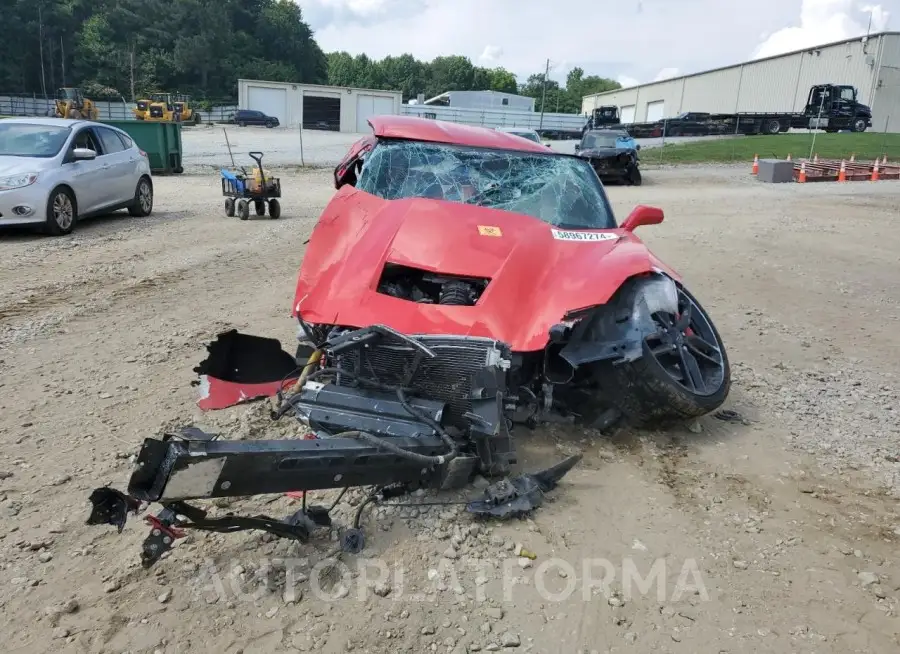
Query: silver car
<point>525,133</point>
<point>54,171</point>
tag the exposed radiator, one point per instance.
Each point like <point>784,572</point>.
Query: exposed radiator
<point>447,377</point>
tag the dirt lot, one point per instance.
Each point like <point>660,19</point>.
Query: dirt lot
<point>206,146</point>
<point>786,524</point>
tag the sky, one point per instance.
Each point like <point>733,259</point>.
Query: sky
<point>631,41</point>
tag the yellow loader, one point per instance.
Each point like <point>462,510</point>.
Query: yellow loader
<point>71,103</point>
<point>166,107</point>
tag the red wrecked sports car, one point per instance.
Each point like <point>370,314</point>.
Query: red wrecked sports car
<point>490,251</point>
<point>461,280</point>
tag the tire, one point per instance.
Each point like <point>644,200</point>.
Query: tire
<point>142,206</point>
<point>274,209</point>
<point>859,125</point>
<point>61,221</point>
<point>647,394</point>
<point>773,126</point>
<point>197,118</point>
<point>229,207</point>
<point>242,124</point>
<point>270,124</point>
<point>259,207</point>
<point>635,178</point>
<point>243,209</point>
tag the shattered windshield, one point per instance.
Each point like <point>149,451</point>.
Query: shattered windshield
<point>559,190</point>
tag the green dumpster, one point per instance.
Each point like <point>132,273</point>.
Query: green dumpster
<point>161,141</point>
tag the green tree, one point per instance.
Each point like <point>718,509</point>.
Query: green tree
<point>404,73</point>
<point>503,80</point>
<point>453,73</point>
<point>192,46</point>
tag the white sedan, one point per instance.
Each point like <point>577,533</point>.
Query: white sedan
<point>525,133</point>
<point>54,171</point>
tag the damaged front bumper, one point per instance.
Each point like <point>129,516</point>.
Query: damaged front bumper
<point>433,417</point>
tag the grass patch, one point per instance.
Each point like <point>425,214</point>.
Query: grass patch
<point>865,146</point>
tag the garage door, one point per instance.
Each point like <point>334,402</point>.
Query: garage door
<point>272,102</point>
<point>321,112</point>
<point>655,111</point>
<point>626,114</point>
<point>371,105</point>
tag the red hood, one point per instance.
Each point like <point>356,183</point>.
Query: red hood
<point>535,277</point>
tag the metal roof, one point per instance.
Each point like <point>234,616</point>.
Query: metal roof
<point>439,131</point>
<point>743,63</point>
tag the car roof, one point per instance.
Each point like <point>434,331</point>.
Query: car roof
<point>515,130</point>
<point>608,131</point>
<point>50,122</point>
<point>439,131</point>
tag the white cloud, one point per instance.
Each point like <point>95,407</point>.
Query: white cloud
<point>639,42</point>
<point>627,81</point>
<point>359,7</point>
<point>491,53</point>
<point>666,73</point>
<point>823,21</point>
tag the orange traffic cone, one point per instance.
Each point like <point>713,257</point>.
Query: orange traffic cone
<point>789,157</point>
<point>875,171</point>
<point>842,175</point>
<point>755,168</point>
<point>802,177</point>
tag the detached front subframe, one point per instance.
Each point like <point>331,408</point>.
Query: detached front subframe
<point>194,465</point>
<point>363,432</point>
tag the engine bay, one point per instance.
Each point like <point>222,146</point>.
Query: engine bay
<point>425,287</point>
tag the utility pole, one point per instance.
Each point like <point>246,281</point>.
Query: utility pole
<point>62,56</point>
<point>41,43</point>
<point>544,94</point>
<point>132,72</point>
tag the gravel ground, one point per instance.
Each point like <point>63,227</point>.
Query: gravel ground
<point>777,533</point>
<point>206,147</point>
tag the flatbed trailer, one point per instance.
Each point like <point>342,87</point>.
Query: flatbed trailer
<point>829,107</point>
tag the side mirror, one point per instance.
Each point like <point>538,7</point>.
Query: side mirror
<point>642,215</point>
<point>638,146</point>
<point>83,154</point>
<point>578,147</point>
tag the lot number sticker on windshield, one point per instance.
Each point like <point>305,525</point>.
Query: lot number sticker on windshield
<point>489,230</point>
<point>561,235</point>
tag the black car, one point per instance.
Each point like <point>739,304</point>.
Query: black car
<point>244,117</point>
<point>613,154</point>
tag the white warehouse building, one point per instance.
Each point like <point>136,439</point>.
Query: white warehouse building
<point>314,106</point>
<point>782,83</point>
